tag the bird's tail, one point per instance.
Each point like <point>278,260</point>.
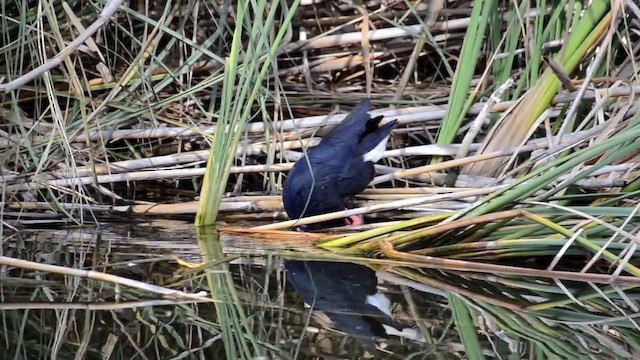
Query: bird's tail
<point>374,144</point>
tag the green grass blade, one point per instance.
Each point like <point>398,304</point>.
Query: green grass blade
<point>463,317</point>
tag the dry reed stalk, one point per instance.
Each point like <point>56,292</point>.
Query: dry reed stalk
<point>430,262</point>
<point>184,208</point>
<point>379,207</point>
<point>177,159</point>
<point>422,174</point>
<point>37,183</point>
<point>411,190</point>
<point>325,41</point>
<point>110,8</point>
<point>408,115</point>
<point>422,170</point>
<point>251,206</point>
<point>103,306</point>
<point>246,217</point>
<point>95,275</point>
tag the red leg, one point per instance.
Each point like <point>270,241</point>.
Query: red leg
<point>354,220</point>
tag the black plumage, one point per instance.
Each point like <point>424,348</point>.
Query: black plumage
<point>346,292</point>
<point>339,167</point>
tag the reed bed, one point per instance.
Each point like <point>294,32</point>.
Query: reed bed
<point>509,188</point>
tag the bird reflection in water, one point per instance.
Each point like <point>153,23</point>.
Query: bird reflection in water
<point>347,293</point>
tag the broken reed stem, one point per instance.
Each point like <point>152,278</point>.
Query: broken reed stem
<point>95,275</point>
<point>181,158</point>
<point>468,266</point>
<point>323,41</point>
<point>177,174</point>
<point>433,168</point>
<point>378,207</point>
<point>183,208</point>
<point>255,149</point>
<point>104,17</point>
<point>87,175</point>
<point>404,116</point>
<point>102,306</point>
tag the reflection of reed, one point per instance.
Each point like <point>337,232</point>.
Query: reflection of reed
<point>235,326</point>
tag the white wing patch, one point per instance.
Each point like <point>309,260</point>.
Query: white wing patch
<point>375,154</point>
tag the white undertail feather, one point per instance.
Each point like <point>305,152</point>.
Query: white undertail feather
<point>375,154</point>
<point>383,303</point>
<point>380,301</point>
<point>407,333</point>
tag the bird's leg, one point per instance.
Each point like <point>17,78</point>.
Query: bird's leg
<point>354,220</point>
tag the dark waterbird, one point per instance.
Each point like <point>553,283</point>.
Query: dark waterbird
<point>339,167</point>
<point>347,293</point>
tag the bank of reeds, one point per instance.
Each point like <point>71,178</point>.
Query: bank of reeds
<point>511,182</point>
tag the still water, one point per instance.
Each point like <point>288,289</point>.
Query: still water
<point>247,300</point>
<point>162,290</point>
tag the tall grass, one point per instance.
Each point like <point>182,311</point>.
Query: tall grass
<point>243,74</point>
